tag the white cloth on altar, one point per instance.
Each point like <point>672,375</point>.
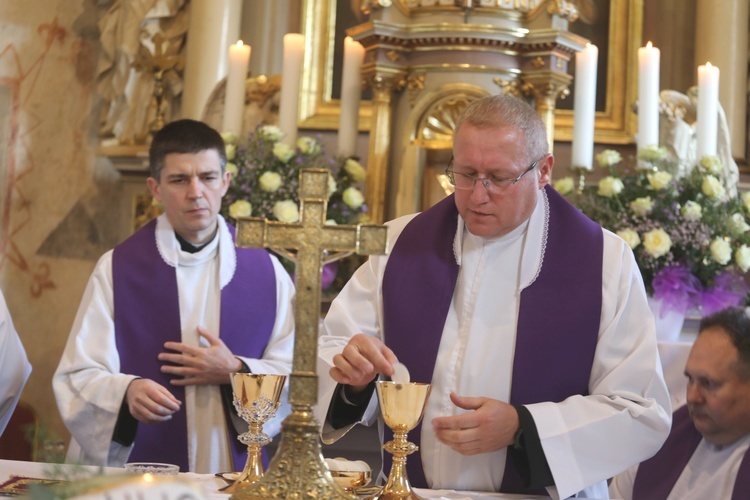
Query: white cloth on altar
<point>710,473</point>
<point>89,387</point>
<point>628,406</point>
<point>14,365</point>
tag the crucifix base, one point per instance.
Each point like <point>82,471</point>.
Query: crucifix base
<point>297,470</point>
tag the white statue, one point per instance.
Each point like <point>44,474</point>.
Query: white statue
<point>678,116</point>
<point>127,27</point>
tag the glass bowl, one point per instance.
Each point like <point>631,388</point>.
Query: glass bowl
<point>152,468</point>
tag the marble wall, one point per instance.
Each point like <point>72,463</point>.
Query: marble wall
<point>56,198</point>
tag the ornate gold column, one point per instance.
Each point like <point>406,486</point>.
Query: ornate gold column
<point>721,38</point>
<point>383,82</point>
<point>547,86</point>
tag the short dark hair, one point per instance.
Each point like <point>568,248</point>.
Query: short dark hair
<point>184,136</point>
<point>736,324</point>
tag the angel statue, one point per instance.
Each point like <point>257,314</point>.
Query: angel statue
<point>678,116</point>
<point>128,29</point>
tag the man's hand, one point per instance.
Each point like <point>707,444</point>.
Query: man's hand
<point>200,365</point>
<point>150,402</point>
<point>490,427</point>
<point>361,360</point>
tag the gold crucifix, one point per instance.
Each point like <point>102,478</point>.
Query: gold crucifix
<point>298,469</point>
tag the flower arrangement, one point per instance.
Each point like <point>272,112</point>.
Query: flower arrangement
<point>690,239</point>
<point>265,180</point>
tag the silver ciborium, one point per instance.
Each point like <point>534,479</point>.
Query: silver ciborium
<point>256,399</point>
<point>402,406</point>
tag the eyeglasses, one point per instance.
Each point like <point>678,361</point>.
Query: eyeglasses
<point>491,184</point>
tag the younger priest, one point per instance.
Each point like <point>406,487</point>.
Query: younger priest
<point>166,317</point>
<point>529,320</point>
<point>707,453</point>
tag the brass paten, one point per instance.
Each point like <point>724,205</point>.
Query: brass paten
<point>298,470</point>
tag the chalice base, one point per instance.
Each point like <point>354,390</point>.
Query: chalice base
<point>397,487</point>
<point>252,473</point>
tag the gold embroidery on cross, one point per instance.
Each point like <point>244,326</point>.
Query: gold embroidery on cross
<point>310,238</point>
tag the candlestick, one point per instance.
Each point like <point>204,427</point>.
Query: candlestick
<point>234,95</point>
<point>648,96</point>
<point>351,92</point>
<point>584,108</point>
<point>294,50</point>
<point>708,109</point>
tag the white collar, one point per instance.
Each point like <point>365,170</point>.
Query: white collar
<point>169,248</point>
<point>534,246</point>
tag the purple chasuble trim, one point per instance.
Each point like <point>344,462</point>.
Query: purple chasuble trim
<point>563,303</point>
<point>657,476</point>
<point>146,314</point>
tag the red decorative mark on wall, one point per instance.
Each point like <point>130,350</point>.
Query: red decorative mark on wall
<point>22,82</point>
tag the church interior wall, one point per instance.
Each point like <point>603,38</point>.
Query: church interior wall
<point>62,206</point>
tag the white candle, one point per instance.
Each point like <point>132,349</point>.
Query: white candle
<point>584,107</point>
<point>351,92</point>
<point>708,110</point>
<point>648,96</point>
<point>294,50</point>
<point>234,95</point>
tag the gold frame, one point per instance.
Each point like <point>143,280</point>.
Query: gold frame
<point>615,125</point>
<point>317,109</point>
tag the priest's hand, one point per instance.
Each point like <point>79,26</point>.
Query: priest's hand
<point>150,402</point>
<point>490,427</point>
<point>200,365</point>
<point>361,360</point>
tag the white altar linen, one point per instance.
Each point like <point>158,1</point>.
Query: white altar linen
<point>208,483</point>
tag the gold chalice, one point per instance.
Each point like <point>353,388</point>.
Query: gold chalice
<point>256,399</point>
<point>402,406</point>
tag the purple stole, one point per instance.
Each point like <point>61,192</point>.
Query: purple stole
<point>147,314</point>
<point>657,476</point>
<point>558,322</point>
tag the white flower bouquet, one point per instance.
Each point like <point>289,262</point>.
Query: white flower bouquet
<point>265,180</point>
<point>690,240</point>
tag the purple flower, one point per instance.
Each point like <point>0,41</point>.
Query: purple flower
<point>677,288</point>
<point>730,289</point>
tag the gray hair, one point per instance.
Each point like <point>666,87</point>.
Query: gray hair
<point>507,111</point>
<point>735,322</point>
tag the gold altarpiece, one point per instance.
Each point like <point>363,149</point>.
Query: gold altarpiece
<point>426,59</point>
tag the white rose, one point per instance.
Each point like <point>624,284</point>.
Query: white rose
<point>286,211</point>
<point>283,152</point>
<point>240,208</point>
<point>692,211</point>
<point>711,187</point>
<point>229,137</point>
<point>564,186</point>
<point>737,225</point>
<point>230,150</point>
<point>659,180</point>
<point>710,164</point>
<point>721,251</point>
<point>231,168</point>
<point>308,145</point>
<point>742,258</point>
<point>630,236</point>
<point>642,206</point>
<point>353,197</point>
<point>652,153</point>
<point>270,132</point>
<point>608,157</point>
<point>610,186</point>
<point>269,181</point>
<point>332,186</point>
<point>657,243</point>
<point>355,170</point>
<point>746,200</point>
